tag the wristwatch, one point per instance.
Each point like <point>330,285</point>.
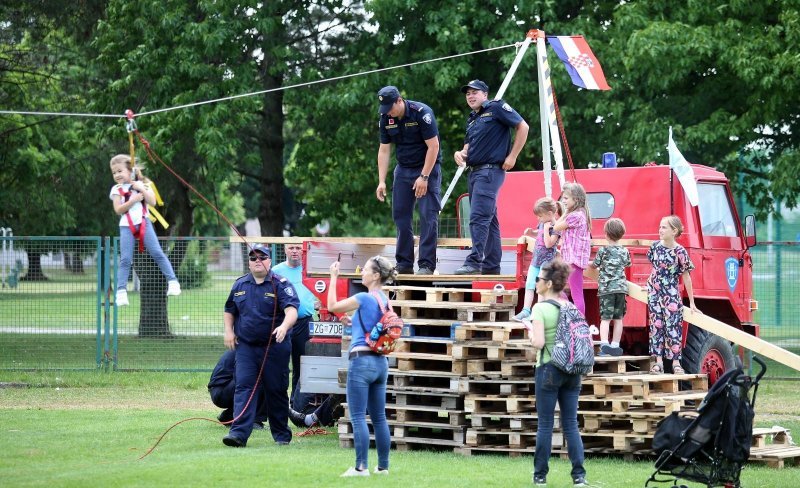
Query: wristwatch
<point>424,177</point>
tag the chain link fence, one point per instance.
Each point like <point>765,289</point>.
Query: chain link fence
<point>55,311</point>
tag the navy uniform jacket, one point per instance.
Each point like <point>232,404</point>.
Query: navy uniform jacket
<point>224,370</point>
<point>410,133</point>
<point>489,133</point>
<point>253,306</point>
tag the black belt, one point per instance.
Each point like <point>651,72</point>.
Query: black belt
<point>476,167</point>
<point>358,354</point>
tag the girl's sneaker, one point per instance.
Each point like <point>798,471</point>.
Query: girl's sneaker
<point>380,471</point>
<point>352,471</point>
<point>173,288</point>
<point>122,298</point>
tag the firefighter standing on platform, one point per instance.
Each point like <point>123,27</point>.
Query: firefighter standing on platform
<point>488,154</point>
<point>259,314</point>
<point>411,127</point>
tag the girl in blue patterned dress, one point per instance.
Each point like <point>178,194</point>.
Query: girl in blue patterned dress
<point>664,303</point>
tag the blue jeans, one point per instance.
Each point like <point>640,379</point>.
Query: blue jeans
<point>403,202</point>
<point>366,389</point>
<point>553,385</point>
<point>151,244</point>
<point>484,184</point>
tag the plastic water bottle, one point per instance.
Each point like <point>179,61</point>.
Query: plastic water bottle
<point>375,333</point>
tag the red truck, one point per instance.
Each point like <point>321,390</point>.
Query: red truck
<point>641,196</point>
<point>717,242</point>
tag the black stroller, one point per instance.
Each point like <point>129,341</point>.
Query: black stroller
<point>711,447</point>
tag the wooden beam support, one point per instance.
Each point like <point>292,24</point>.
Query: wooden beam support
<point>753,343</point>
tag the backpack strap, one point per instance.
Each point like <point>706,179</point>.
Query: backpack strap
<point>374,295</point>
<point>558,306</point>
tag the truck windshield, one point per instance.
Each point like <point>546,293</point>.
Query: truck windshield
<point>715,211</point>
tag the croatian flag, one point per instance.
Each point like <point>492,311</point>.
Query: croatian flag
<point>582,65</point>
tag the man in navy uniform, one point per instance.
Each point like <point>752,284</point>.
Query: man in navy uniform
<point>411,127</point>
<point>222,386</point>
<point>259,314</point>
<point>487,154</point>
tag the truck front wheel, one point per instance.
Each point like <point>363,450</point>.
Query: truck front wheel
<point>707,353</point>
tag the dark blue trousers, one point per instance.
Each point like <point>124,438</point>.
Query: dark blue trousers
<point>403,201</point>
<point>484,184</point>
<point>300,335</point>
<point>275,381</point>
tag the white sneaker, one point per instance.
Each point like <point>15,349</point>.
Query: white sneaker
<point>173,288</point>
<point>122,298</point>
<point>354,472</point>
<point>382,472</point>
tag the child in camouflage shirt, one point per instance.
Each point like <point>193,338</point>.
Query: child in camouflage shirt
<point>612,287</point>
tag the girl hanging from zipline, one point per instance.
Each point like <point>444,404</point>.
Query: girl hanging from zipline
<point>131,198</point>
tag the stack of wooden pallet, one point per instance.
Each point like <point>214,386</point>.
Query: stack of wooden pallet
<point>464,381</point>
<point>425,392</point>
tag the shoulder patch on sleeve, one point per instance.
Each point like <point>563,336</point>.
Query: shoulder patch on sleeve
<point>507,107</point>
<point>427,119</point>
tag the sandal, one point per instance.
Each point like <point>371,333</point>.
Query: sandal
<point>656,369</point>
<point>678,369</point>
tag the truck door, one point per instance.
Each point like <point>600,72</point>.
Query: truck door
<point>722,243</point>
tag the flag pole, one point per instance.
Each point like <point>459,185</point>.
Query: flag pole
<point>513,69</point>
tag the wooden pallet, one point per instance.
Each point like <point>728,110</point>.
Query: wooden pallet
<point>455,311</point>
<point>402,414</point>
<point>517,369</point>
<point>638,425</point>
<point>431,363</point>
<point>435,295</point>
<point>506,450</point>
<point>620,441</point>
<point>643,386</point>
<point>426,381</point>
<point>508,421</point>
<point>664,403</point>
<point>616,365</point>
<point>497,386</point>
<point>506,438</point>
<point>443,401</point>
<point>493,351</point>
<point>775,455</point>
<point>410,347</point>
<point>498,404</point>
<point>429,328</point>
<point>497,332</point>
<point>771,435</point>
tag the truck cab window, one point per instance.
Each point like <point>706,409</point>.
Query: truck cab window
<point>715,211</point>
<point>601,205</point>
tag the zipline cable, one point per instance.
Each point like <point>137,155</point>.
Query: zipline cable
<point>261,92</point>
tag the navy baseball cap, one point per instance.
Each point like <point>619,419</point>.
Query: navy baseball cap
<point>387,96</point>
<point>475,85</point>
<point>263,249</point>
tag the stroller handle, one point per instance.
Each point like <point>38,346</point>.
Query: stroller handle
<point>763,367</point>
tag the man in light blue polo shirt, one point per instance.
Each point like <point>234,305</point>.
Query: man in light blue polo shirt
<point>292,270</point>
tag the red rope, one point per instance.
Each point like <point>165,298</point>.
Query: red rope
<point>313,430</point>
<point>155,157</point>
<point>564,137</point>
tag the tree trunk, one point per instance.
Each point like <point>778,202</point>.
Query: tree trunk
<point>35,272</point>
<point>153,318</point>
<point>73,262</point>
<point>270,211</point>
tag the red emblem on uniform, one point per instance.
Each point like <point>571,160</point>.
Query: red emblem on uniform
<point>391,121</point>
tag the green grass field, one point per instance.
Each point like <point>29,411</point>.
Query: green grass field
<point>89,429</point>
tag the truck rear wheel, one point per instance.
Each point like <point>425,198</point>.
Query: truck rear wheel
<point>707,353</point>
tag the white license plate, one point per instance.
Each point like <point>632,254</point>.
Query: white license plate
<point>325,329</point>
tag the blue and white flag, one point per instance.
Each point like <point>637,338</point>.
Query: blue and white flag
<point>684,170</point>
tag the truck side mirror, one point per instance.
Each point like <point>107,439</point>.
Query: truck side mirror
<point>750,239</point>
